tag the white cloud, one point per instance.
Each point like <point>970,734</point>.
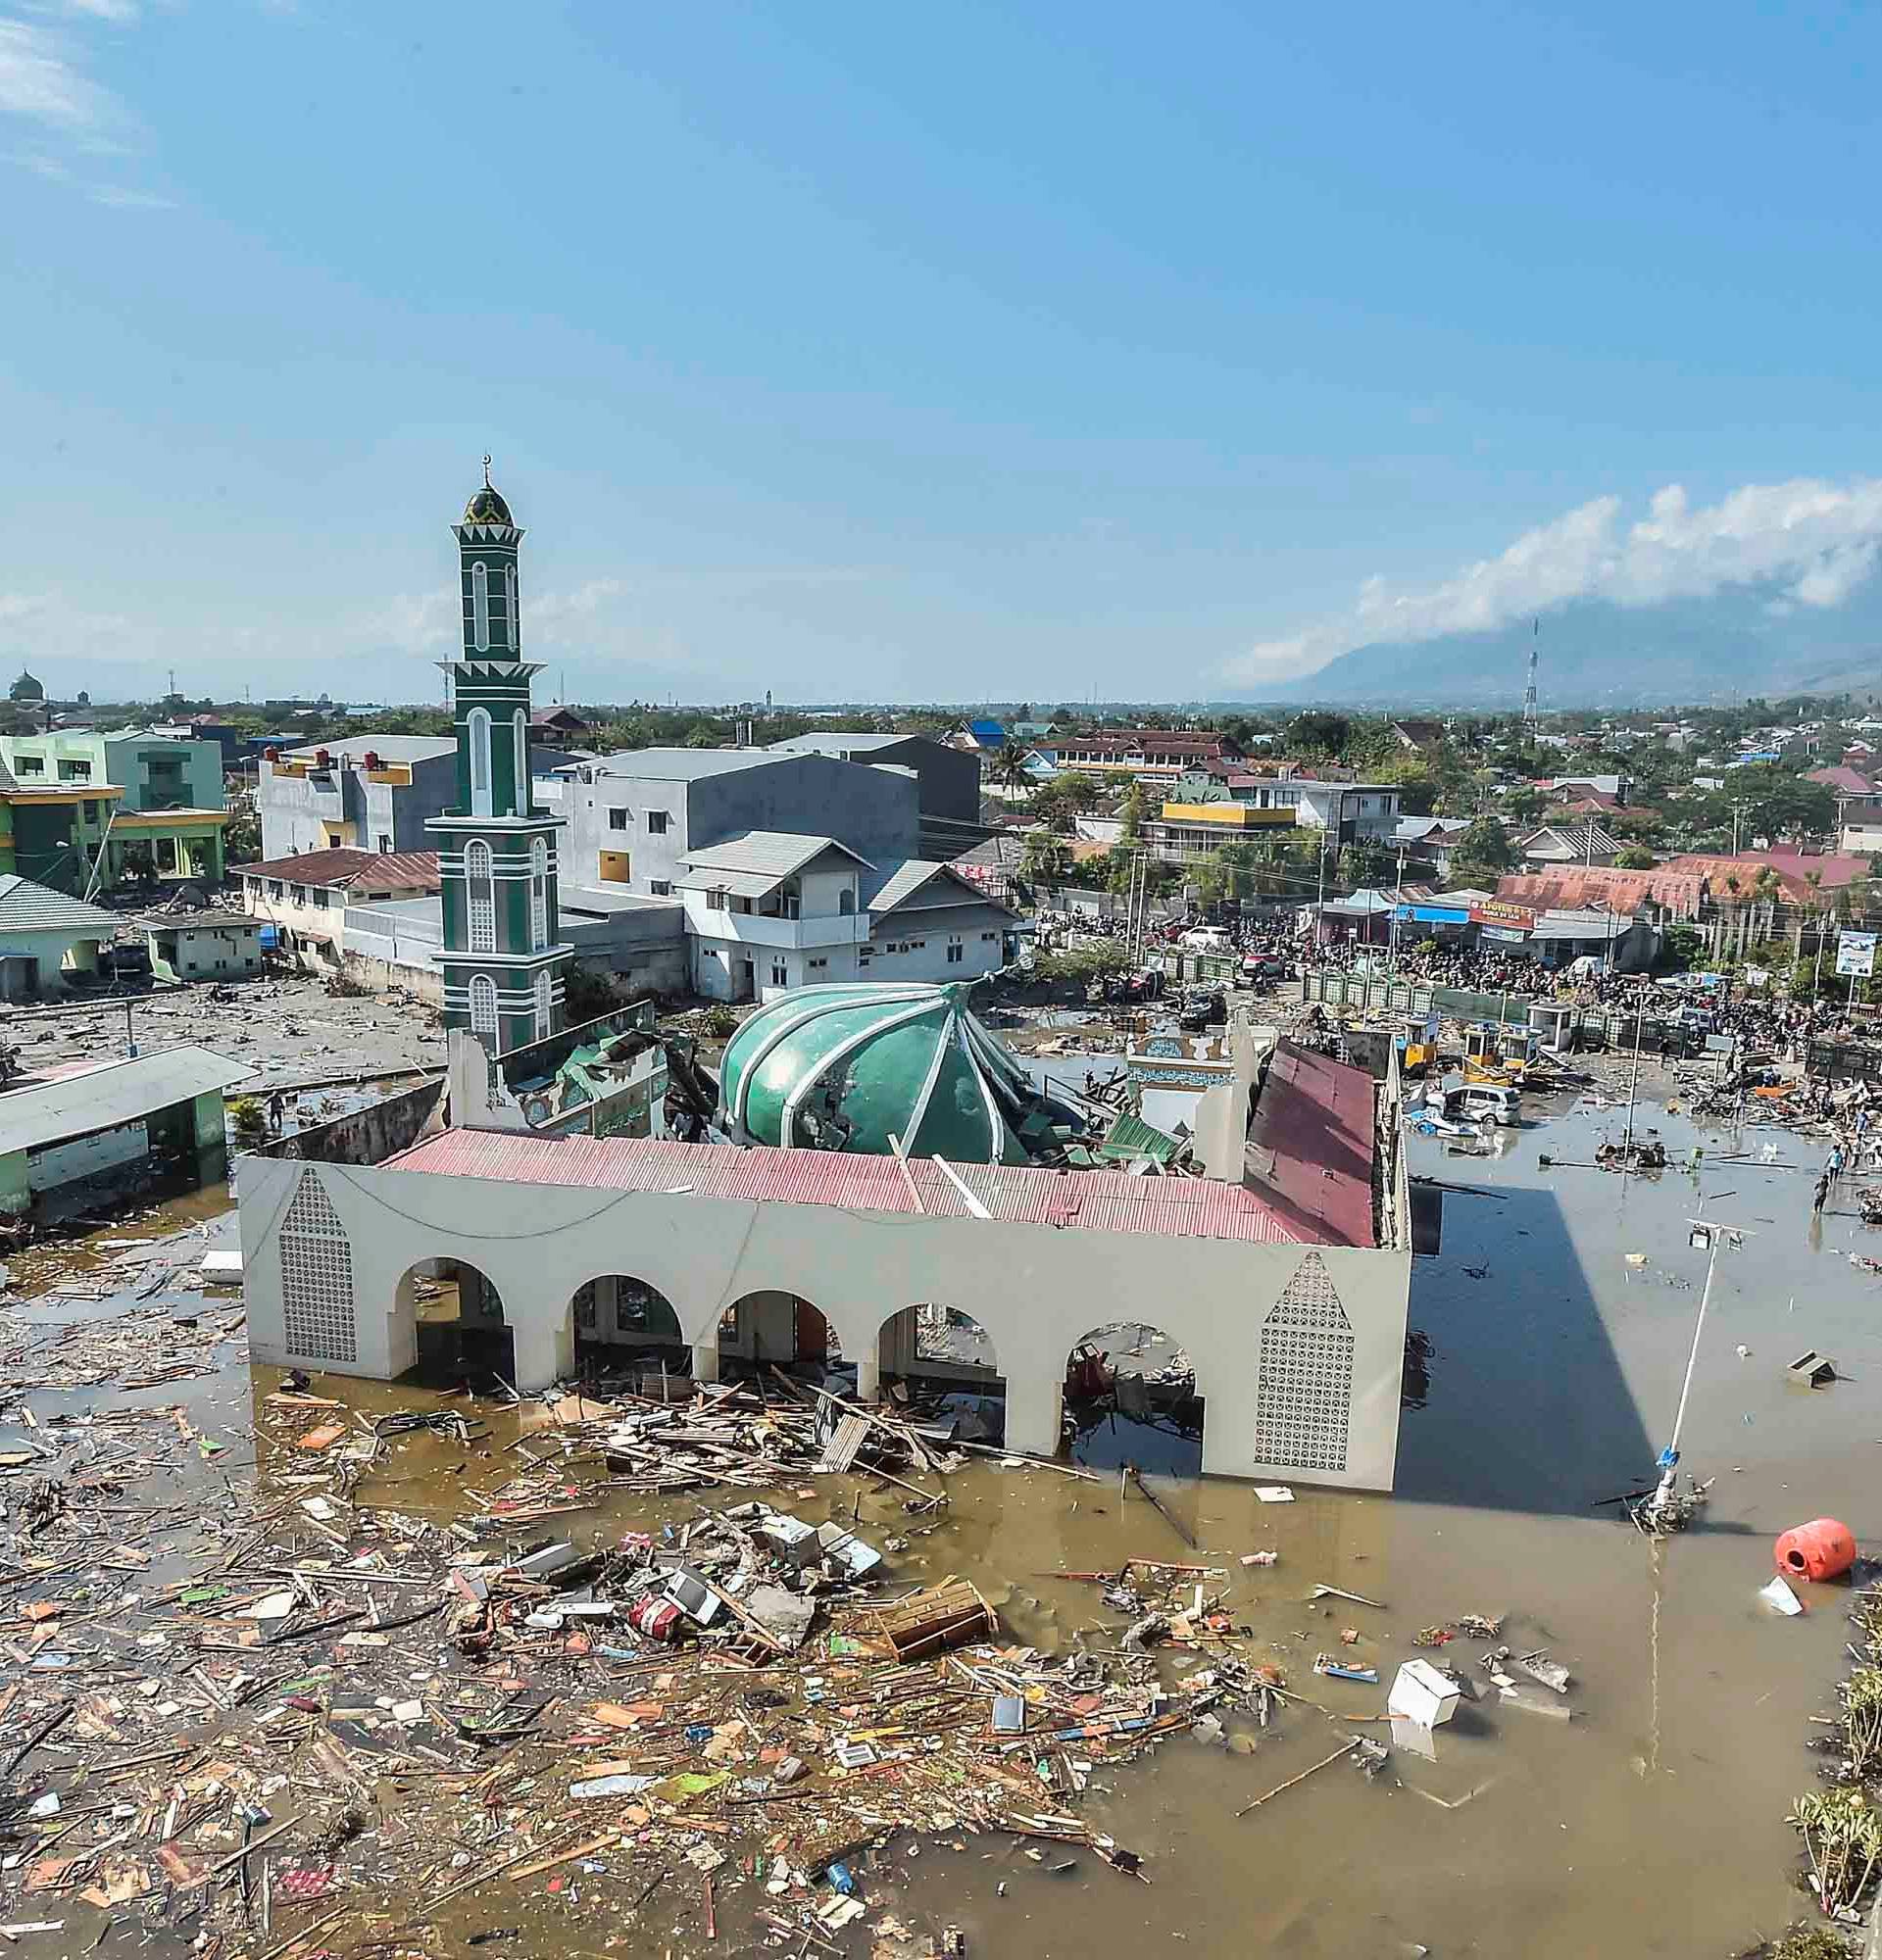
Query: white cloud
<point>41,83</point>
<point>122,11</point>
<point>551,617</point>
<point>121,198</point>
<point>48,627</point>
<point>412,622</point>
<point>1816,541</point>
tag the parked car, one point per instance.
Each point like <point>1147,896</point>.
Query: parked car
<point>1477,1100</point>
<point>1203,1006</point>
<point>1207,939</point>
<point>1266,969</point>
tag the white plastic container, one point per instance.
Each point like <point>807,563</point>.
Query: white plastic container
<point>1421,1694</point>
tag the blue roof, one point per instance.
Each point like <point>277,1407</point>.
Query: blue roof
<point>987,731</point>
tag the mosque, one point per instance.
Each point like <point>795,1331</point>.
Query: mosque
<point>875,1153</point>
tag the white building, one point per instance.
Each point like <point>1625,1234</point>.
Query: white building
<point>769,911</point>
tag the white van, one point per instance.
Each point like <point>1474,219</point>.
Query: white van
<point>1207,939</point>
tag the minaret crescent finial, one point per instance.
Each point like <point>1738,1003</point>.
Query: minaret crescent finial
<point>486,472</point>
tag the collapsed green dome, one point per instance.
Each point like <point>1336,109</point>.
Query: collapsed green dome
<point>843,1067</point>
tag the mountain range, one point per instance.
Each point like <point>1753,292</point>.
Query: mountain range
<point>1688,652</point>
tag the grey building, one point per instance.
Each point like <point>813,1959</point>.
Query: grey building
<point>367,793</point>
<point>636,817</point>
<point>948,780</point>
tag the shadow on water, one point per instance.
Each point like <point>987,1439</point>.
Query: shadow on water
<point>1526,1407</point>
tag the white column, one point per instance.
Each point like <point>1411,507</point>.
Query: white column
<point>705,1359</point>
<point>868,1378</point>
<point>1033,1399</point>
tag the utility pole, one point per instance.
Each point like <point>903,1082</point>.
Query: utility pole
<point>1714,1236</point>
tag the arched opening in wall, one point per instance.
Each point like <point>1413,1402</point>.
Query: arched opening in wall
<point>462,1333</point>
<point>1130,1398</point>
<point>766,1329</point>
<point>937,1362</point>
<point>627,1336</point>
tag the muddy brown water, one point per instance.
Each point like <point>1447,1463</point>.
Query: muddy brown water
<point>1652,1823</point>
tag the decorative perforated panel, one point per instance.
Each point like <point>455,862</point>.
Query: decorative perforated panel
<point>1303,1396</point>
<point>317,1278</point>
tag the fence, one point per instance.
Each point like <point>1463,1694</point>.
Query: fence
<point>1591,1027</point>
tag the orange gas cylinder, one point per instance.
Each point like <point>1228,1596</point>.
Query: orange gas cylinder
<point>1819,1549</point>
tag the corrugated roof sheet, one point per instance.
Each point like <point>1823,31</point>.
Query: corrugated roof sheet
<point>776,852</point>
<point>1088,1200</point>
<point>115,1091</point>
<point>376,871</point>
<point>1310,1146</point>
<point>27,906</point>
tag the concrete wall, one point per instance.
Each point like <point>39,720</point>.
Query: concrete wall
<point>368,1136</point>
<point>1037,1291</point>
<point>204,953</point>
<point>875,812</point>
<point>197,785</point>
<point>928,932</point>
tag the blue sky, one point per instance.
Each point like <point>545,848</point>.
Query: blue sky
<point>917,353</point>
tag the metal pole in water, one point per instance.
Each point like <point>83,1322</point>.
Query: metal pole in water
<point>1715,1236</point>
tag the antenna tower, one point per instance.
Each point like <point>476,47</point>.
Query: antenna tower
<point>1530,692</point>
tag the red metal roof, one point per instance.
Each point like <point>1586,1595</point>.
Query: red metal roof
<point>376,871</point>
<point>1310,1147</point>
<point>1093,1200</point>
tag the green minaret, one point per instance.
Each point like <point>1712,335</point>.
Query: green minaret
<point>503,963</point>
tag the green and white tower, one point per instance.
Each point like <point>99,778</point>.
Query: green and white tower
<point>503,962</point>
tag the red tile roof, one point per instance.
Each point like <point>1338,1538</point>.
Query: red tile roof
<point>1092,1200</point>
<point>1852,782</point>
<point>376,871</point>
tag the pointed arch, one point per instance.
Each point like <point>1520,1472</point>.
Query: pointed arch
<point>484,1005</point>
<point>480,896</point>
<point>478,728</point>
<point>1304,1391</point>
<point>538,893</point>
<point>481,606</point>
<point>545,1005</point>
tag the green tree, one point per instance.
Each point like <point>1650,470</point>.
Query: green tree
<point>1009,767</point>
<point>1044,859</point>
<point>1636,858</point>
<point>1317,733</point>
<point>1370,863</point>
<point>1487,843</point>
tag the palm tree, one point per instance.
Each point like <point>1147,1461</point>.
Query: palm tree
<point>1043,858</point>
<point>1012,769</point>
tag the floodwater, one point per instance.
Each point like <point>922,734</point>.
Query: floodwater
<point>1651,1824</point>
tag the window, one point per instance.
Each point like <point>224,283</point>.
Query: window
<point>478,723</point>
<point>519,778</point>
<point>299,893</point>
<point>658,821</point>
<point>989,935</point>
<point>484,1005</point>
<point>863,955</point>
<point>322,898</point>
<point>780,974</point>
<point>715,898</point>
<point>545,1007</point>
<point>817,963</point>
<point>661,888</point>
<point>479,607</point>
<point>273,888</point>
<point>74,773</point>
<point>29,766</point>
<point>91,810</point>
<point>512,634</point>
<point>954,954</point>
<point>846,903</point>
<point>480,894</point>
<point>617,819</point>
<point>539,894</point>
